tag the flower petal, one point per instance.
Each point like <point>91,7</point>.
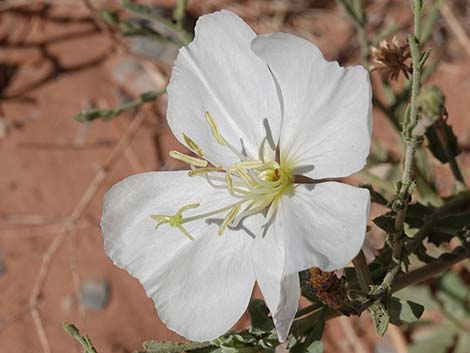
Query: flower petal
<point>326,126</point>
<point>323,224</point>
<point>219,73</point>
<point>280,291</point>
<point>200,287</point>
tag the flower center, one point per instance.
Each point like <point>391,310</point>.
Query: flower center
<point>255,184</point>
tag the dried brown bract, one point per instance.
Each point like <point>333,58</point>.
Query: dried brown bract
<point>327,287</point>
<point>391,58</point>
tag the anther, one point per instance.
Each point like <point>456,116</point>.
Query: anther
<point>228,181</point>
<point>214,128</point>
<point>197,171</point>
<point>197,162</point>
<point>229,218</point>
<point>193,146</point>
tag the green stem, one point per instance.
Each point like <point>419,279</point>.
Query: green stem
<point>73,331</point>
<point>416,276</point>
<point>183,36</point>
<point>179,13</point>
<point>410,139</point>
<point>430,270</point>
<point>109,114</point>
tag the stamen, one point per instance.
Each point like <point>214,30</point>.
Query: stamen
<point>254,207</point>
<point>245,176</point>
<point>229,181</point>
<point>193,146</point>
<point>230,216</point>
<point>188,159</point>
<point>256,185</point>
<point>197,171</point>
<point>214,128</point>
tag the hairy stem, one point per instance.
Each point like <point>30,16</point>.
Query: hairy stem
<point>430,270</point>
<point>411,140</point>
<point>419,275</point>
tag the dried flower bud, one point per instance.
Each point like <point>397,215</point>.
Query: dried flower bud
<point>391,58</point>
<point>327,287</point>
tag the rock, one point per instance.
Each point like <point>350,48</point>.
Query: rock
<point>94,294</point>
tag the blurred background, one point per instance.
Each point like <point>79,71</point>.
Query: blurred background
<point>58,58</point>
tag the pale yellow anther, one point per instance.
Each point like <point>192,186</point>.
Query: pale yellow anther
<point>188,159</point>
<point>229,218</point>
<point>193,146</point>
<point>214,128</point>
<point>257,185</point>
<point>229,181</point>
<point>197,171</point>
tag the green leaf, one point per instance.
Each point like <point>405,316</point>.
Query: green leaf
<point>420,293</point>
<point>109,114</point>
<point>448,227</point>
<point>380,317</point>
<point>312,323</point>
<point>404,311</point>
<point>435,145</point>
<point>375,196</point>
<point>172,347</point>
<point>417,213</point>
<point>259,315</point>
<point>385,222</point>
<point>315,347</point>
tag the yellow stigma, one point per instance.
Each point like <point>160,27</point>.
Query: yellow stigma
<point>176,220</point>
<point>256,185</point>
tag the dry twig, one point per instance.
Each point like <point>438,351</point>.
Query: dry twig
<point>69,228</point>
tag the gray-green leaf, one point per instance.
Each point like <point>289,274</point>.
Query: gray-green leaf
<point>404,311</point>
<point>380,317</point>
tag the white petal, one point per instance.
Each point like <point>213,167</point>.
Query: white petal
<point>327,109</point>
<point>219,73</point>
<point>280,291</point>
<point>200,287</point>
<point>323,224</point>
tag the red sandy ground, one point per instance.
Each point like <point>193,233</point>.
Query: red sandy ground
<point>42,175</point>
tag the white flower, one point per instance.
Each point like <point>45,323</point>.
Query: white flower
<point>258,111</point>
